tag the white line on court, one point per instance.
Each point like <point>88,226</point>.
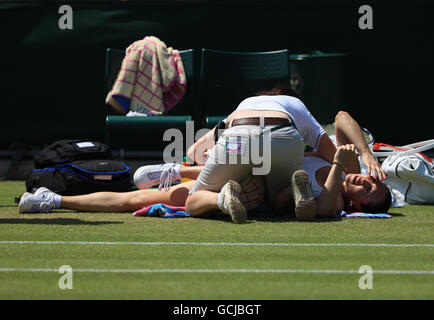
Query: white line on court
<point>283,244</point>
<point>425,272</point>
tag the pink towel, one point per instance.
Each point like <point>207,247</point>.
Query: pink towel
<point>151,78</point>
<point>162,210</point>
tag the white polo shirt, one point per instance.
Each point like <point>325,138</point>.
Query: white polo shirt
<point>309,129</point>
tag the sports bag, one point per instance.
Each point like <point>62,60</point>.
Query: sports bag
<point>82,177</point>
<point>410,174</point>
<point>63,151</point>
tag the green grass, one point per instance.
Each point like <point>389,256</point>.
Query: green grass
<point>410,225</point>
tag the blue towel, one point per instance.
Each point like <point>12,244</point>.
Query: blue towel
<point>363,215</point>
<point>162,211</point>
<point>166,211</point>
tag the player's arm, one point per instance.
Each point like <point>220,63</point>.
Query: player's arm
<point>326,149</point>
<point>197,152</point>
<point>348,131</point>
<point>327,201</point>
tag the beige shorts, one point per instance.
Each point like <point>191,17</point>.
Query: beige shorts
<point>281,153</point>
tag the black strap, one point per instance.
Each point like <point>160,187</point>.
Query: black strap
<point>220,125</point>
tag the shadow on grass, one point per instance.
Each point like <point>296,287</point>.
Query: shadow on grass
<point>293,219</point>
<point>270,217</point>
<point>56,221</point>
<point>397,214</point>
<point>263,217</point>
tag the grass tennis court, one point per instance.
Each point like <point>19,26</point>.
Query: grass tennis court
<point>119,256</point>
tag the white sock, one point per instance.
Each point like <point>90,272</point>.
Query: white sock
<point>177,174</point>
<point>57,199</point>
<point>219,201</point>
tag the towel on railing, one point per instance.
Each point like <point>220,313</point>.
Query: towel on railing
<point>151,80</point>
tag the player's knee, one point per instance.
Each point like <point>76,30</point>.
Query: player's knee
<point>194,207</point>
<point>132,203</point>
<point>189,204</point>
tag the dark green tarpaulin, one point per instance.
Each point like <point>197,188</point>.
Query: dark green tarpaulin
<point>52,80</point>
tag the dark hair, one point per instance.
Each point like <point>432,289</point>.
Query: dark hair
<point>283,89</point>
<point>382,207</point>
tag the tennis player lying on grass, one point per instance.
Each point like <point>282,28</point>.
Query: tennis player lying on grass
<point>335,186</point>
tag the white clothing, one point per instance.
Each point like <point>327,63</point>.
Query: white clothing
<point>286,147</point>
<point>311,165</point>
<point>285,157</point>
<point>308,127</point>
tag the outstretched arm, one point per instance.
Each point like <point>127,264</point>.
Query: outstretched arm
<point>348,131</point>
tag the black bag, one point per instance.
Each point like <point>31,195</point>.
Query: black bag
<point>82,177</point>
<point>63,151</point>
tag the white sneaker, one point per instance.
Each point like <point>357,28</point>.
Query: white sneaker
<point>305,204</point>
<point>230,203</point>
<point>162,174</point>
<point>41,201</point>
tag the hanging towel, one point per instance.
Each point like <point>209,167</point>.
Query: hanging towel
<point>151,79</point>
<point>162,211</point>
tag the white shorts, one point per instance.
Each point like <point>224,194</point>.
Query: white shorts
<point>281,152</point>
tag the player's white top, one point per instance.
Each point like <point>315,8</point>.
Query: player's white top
<point>311,165</point>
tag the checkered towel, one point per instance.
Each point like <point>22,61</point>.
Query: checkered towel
<point>151,79</point>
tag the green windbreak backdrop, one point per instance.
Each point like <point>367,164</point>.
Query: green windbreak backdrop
<point>52,80</point>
